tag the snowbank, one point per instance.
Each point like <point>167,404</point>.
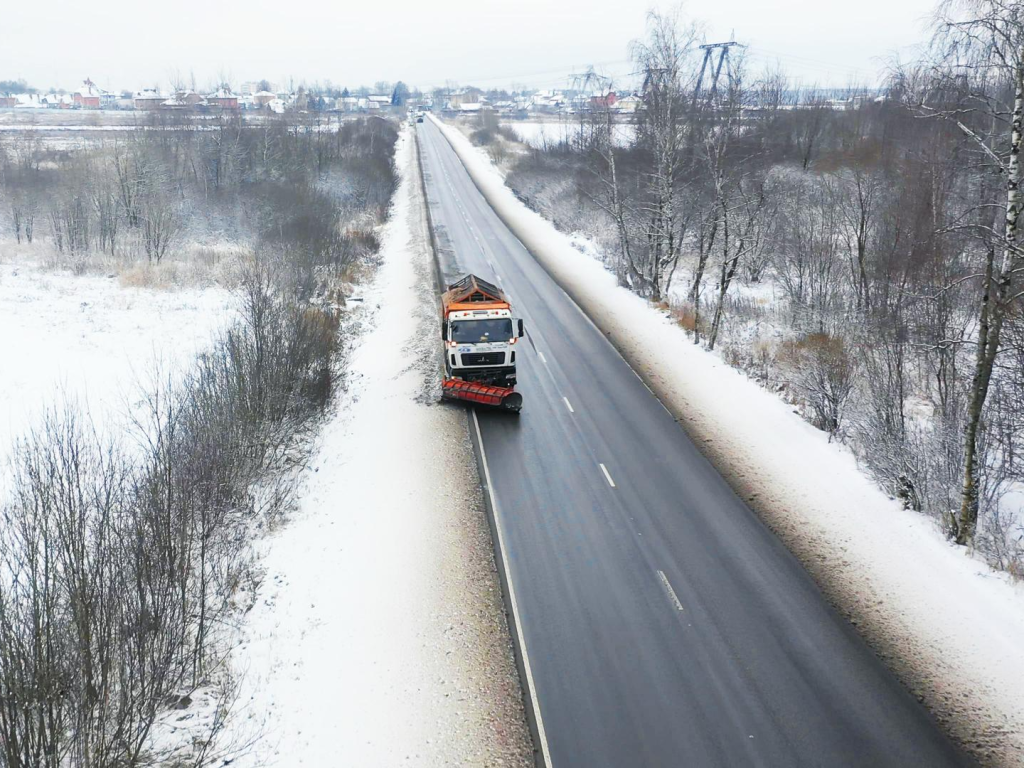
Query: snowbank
<point>952,628</point>
<point>378,636</point>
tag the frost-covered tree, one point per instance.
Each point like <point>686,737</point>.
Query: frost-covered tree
<point>980,71</point>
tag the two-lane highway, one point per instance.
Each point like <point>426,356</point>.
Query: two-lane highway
<point>664,624</point>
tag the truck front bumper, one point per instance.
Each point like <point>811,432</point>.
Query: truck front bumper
<point>500,376</point>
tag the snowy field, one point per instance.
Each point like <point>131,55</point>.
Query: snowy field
<point>91,341</point>
<point>948,624</point>
<point>378,636</point>
<point>540,134</point>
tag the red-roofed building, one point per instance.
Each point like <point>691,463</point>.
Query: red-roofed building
<point>88,96</point>
<point>604,101</point>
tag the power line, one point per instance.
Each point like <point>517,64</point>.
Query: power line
<point>554,70</point>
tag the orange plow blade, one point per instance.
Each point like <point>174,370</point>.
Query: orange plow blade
<point>482,394</point>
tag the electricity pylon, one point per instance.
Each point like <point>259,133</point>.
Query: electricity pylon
<point>723,58</point>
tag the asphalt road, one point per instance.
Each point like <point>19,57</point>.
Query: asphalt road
<point>665,625</point>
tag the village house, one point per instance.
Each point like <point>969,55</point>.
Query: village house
<point>89,96</point>
<point>627,104</point>
<point>57,101</point>
<point>547,102</point>
<point>224,99</point>
<point>603,100</point>
<point>181,101</point>
<point>148,99</point>
<point>29,101</point>
<point>262,98</point>
<point>465,96</point>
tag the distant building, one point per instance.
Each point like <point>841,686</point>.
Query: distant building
<point>252,87</point>
<point>262,98</point>
<point>548,101</point>
<point>467,96</point>
<point>148,99</point>
<point>627,104</point>
<point>28,101</point>
<point>89,96</point>
<point>604,100</point>
<point>224,99</point>
<point>181,101</point>
<point>57,101</point>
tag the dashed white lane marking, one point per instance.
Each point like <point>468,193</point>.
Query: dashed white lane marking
<point>669,591</point>
<point>569,406</point>
<point>541,733</point>
<point>606,475</point>
<point>542,358</point>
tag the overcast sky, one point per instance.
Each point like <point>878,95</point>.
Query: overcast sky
<point>127,44</point>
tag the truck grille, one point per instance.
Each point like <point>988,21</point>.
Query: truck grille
<point>483,358</point>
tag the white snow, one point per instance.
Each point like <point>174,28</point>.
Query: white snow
<point>952,628</point>
<point>378,635</point>
<point>92,341</point>
<point>543,133</point>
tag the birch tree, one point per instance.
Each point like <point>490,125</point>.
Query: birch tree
<point>981,43</point>
<point>662,128</point>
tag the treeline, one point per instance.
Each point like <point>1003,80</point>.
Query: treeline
<point>137,196</point>
<point>124,558</point>
<point>862,256</point>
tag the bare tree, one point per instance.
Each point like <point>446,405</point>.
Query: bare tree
<point>665,58</point>
<point>981,43</point>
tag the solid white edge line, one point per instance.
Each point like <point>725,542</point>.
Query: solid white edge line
<point>671,592</point>
<point>606,475</point>
<point>541,734</point>
<point>568,404</point>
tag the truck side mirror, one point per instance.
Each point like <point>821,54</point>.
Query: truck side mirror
<point>520,328</point>
<point>444,330</point>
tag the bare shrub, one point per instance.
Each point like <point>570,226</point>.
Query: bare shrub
<point>763,360</point>
<point>821,370</point>
<point>487,131</point>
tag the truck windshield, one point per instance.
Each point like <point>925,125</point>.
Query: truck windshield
<point>474,331</point>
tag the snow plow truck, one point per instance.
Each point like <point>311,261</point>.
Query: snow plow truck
<point>480,335</point>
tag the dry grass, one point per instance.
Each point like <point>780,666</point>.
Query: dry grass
<point>189,266</point>
<point>685,317</point>
<point>195,267</point>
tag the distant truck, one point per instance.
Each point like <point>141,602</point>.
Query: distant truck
<point>480,335</point>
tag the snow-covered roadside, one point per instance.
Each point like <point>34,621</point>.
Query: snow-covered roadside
<point>378,636</point>
<point>91,340</point>
<point>951,627</point>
